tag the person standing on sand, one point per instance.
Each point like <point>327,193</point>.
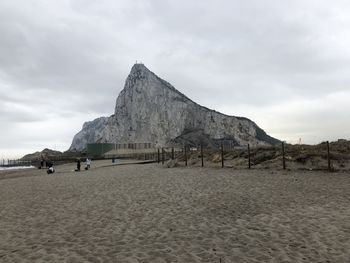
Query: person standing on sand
<point>78,165</point>
<point>88,163</point>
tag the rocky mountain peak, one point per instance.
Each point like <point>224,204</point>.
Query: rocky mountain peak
<point>139,72</point>
<point>151,110</point>
<point>139,67</point>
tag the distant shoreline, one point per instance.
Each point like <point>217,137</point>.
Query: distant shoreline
<point>16,168</point>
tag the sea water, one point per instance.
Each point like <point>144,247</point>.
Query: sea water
<point>16,168</point>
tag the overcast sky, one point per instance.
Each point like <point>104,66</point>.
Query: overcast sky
<point>283,64</point>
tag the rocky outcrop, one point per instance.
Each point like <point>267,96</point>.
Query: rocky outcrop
<point>149,109</point>
<point>46,154</point>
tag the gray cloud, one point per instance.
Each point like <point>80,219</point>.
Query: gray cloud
<point>64,62</point>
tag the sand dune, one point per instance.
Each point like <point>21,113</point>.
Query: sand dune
<point>147,213</point>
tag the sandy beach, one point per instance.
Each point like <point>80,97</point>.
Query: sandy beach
<point>149,213</point>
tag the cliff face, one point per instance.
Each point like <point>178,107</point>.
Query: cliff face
<point>149,109</point>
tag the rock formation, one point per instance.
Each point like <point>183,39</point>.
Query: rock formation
<point>149,109</point>
<point>46,154</point>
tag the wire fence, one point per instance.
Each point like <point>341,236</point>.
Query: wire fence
<point>43,162</point>
<point>325,156</point>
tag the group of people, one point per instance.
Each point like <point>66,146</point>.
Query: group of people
<point>48,164</point>
<point>87,167</point>
<point>51,169</point>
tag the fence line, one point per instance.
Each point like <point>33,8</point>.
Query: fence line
<point>283,156</point>
<point>291,156</point>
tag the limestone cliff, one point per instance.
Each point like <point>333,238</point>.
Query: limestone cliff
<point>149,109</point>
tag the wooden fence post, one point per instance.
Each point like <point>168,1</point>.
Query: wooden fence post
<point>222,154</point>
<point>202,155</point>
<point>328,157</point>
<point>158,156</point>
<point>185,155</point>
<point>283,157</point>
<point>249,156</point>
<point>172,153</point>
